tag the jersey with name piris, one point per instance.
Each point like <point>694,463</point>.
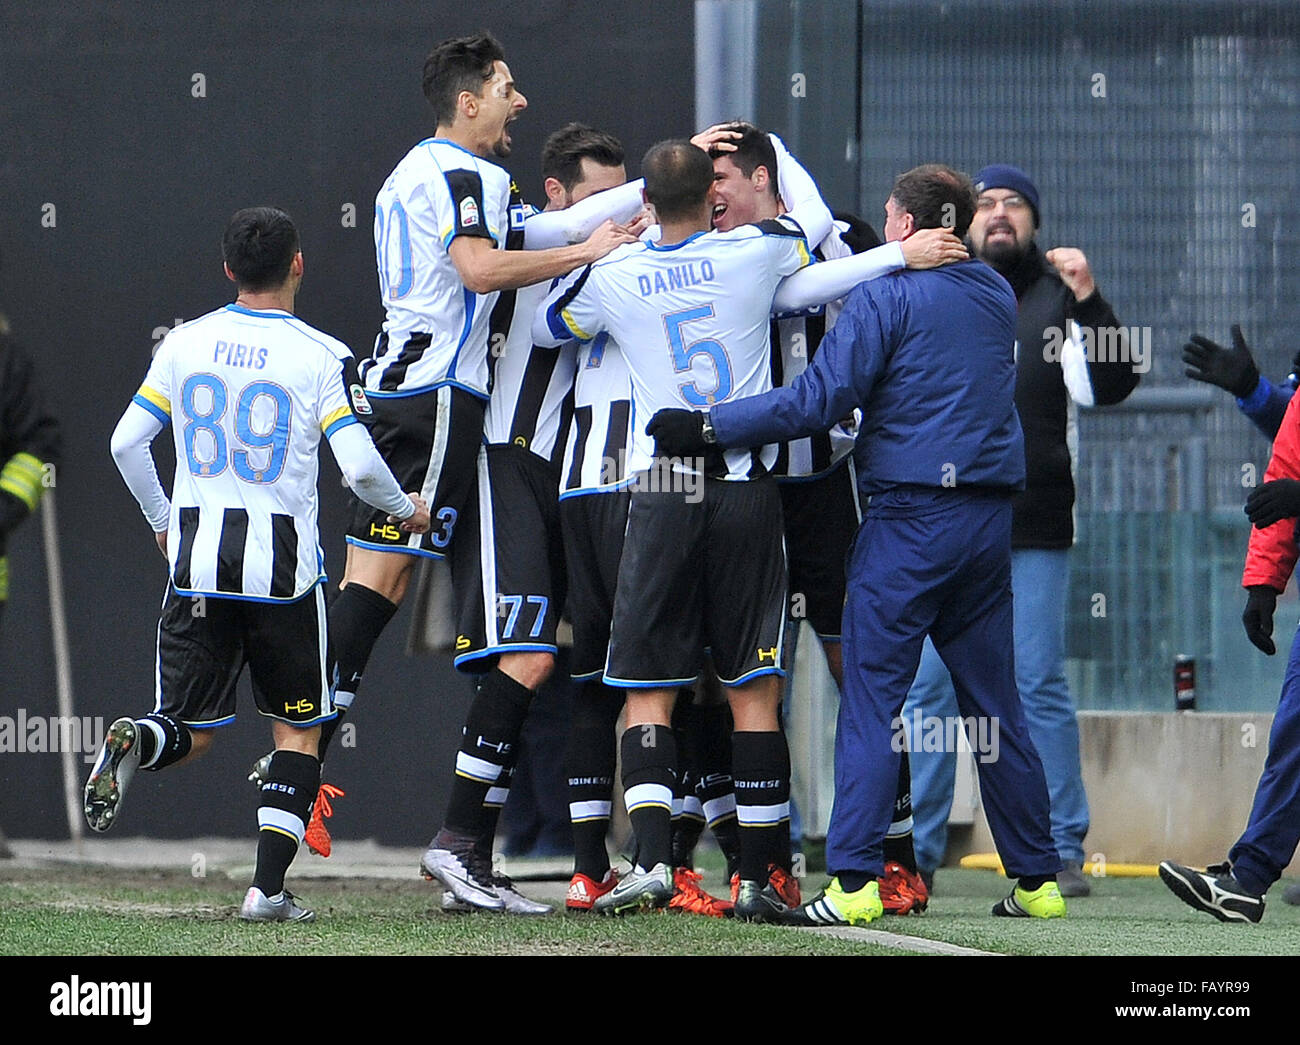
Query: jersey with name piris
<point>692,321</point>
<point>436,331</point>
<point>248,395</point>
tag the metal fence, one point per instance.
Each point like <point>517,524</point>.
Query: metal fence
<point>1164,140</point>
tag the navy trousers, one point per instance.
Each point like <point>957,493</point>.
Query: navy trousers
<point>936,562</point>
<point>1273,830</point>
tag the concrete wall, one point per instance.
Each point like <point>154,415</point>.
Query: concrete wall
<point>1160,786</point>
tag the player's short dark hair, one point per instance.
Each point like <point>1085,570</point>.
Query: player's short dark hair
<point>754,149</point>
<point>937,197</point>
<point>259,246</point>
<point>462,64</point>
<point>678,176</point>
<point>565,149</point>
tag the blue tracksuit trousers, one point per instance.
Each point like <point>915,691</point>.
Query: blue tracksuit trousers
<point>937,562</point>
<point>1273,831</point>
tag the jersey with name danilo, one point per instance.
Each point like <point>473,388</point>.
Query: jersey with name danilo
<point>248,395</point>
<point>436,331</point>
<point>692,321</point>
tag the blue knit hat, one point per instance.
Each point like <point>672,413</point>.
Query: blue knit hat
<point>1005,176</point>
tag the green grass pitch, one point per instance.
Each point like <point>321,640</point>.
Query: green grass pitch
<point>84,910</point>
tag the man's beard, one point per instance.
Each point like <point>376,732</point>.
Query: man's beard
<point>1004,254</point>
<point>500,148</point>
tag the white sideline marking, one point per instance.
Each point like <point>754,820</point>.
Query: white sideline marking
<point>920,944</point>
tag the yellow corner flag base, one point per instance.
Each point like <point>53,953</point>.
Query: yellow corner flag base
<point>990,862</point>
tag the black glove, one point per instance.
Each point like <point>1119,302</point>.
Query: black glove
<point>677,433</point>
<point>1232,369</point>
<point>1258,617</point>
<point>1273,502</point>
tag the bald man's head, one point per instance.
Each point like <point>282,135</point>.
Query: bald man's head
<point>678,176</point>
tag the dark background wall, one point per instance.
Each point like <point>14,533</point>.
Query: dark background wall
<point>307,107</point>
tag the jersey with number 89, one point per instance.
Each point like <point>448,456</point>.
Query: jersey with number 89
<point>692,319</point>
<point>248,395</point>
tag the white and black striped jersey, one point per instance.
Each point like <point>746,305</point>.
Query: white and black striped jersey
<point>795,337</point>
<point>532,388</point>
<point>248,395</point>
<point>436,331</point>
<point>600,437</point>
<point>692,319</point>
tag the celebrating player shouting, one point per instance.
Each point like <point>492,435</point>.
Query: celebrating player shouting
<point>442,219</point>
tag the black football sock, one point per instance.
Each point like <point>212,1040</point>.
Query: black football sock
<point>163,740</point>
<point>898,841</point>
<point>761,768</point>
<point>688,815</point>
<point>1035,882</point>
<point>357,617</point>
<point>713,784</point>
<point>493,802</point>
<point>288,791</point>
<point>591,758</point>
<point>852,881</point>
<point>649,771</point>
<point>487,746</point>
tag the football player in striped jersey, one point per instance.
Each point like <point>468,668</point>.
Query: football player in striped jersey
<point>249,391</point>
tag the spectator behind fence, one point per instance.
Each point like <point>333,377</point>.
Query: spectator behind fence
<point>1063,323</point>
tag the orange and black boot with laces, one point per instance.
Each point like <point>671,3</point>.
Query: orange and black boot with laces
<point>689,896</point>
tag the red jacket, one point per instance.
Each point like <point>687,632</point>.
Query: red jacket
<point>1272,554</point>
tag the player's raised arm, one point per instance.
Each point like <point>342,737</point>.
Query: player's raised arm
<point>803,201</point>
<point>560,228</point>
<point>484,269</point>
<point>828,280</point>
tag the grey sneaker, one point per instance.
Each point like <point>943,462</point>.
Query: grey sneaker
<point>260,768</point>
<point>258,907</point>
<point>638,890</point>
<point>456,862</point>
<point>116,765</point>
<point>1291,894</point>
<point>515,901</point>
<point>1070,880</point>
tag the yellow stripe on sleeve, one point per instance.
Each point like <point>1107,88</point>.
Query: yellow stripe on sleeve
<point>338,414</point>
<point>157,398</point>
<point>572,325</point>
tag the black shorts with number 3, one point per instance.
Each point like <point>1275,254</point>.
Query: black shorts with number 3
<point>430,441</point>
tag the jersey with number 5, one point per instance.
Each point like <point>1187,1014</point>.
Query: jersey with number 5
<point>248,395</point>
<point>692,321</point>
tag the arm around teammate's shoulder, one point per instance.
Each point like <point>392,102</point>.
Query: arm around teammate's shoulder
<point>484,269</point>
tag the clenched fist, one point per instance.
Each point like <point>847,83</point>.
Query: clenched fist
<point>1072,266</point>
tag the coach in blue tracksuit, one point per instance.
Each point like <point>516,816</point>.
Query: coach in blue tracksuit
<point>929,358</point>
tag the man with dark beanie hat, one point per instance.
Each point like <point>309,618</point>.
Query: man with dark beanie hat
<point>1071,352</point>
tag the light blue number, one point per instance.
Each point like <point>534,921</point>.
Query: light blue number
<point>276,439</point>
<point>516,603</point>
<point>684,354</point>
<point>204,422</point>
<point>543,602</point>
<point>446,516</point>
<point>383,235</point>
